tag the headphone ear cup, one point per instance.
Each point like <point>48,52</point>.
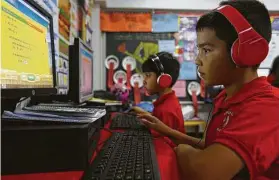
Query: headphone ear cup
<point>164,80</point>
<point>249,53</point>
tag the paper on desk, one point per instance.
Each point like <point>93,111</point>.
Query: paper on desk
<point>11,115</point>
<point>92,118</point>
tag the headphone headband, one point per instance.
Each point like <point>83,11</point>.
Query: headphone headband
<point>235,18</point>
<point>164,80</point>
<point>158,64</point>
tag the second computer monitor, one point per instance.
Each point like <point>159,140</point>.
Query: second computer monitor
<point>81,72</point>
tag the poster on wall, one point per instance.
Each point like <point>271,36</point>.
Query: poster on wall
<point>180,88</point>
<point>165,22</point>
<point>167,46</point>
<point>88,5</point>
<point>188,71</point>
<point>64,19</point>
<point>275,23</point>
<point>85,21</point>
<point>62,66</point>
<point>74,26</point>
<point>64,41</point>
<point>186,45</point>
<point>126,22</point>
<point>273,44</point>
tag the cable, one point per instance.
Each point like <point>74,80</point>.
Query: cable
<point>208,120</point>
<point>106,129</point>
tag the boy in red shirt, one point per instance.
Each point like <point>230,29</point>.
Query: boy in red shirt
<point>242,136</point>
<point>160,74</point>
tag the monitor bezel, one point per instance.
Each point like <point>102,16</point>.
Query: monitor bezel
<point>75,73</point>
<point>27,92</point>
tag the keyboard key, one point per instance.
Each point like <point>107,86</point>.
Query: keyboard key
<point>147,177</point>
<point>138,177</point>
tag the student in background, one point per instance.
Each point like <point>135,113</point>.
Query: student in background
<point>160,74</point>
<point>242,136</point>
<point>273,77</point>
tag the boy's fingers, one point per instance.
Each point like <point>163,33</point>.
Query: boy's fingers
<point>145,122</point>
<point>148,117</point>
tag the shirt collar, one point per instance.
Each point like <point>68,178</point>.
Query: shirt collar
<point>162,98</point>
<point>249,89</point>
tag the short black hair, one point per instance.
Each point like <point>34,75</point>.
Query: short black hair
<point>253,11</point>
<point>275,66</point>
<point>169,62</point>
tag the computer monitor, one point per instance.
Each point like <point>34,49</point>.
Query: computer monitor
<point>80,72</point>
<point>27,50</point>
<point>212,92</point>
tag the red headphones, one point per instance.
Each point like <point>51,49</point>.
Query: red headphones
<point>250,48</point>
<point>164,80</point>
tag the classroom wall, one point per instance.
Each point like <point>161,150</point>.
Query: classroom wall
<point>185,5</point>
<point>98,48</point>
<point>272,5</point>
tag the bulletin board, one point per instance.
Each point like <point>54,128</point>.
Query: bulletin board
<point>173,38</point>
<point>140,46</point>
<point>172,32</point>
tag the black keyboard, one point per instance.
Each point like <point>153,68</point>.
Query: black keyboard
<point>139,132</point>
<point>67,111</point>
<point>125,121</point>
<point>125,157</point>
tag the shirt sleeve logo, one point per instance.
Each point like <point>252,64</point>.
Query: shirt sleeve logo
<point>226,120</point>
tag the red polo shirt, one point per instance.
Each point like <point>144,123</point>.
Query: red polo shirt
<point>168,109</point>
<point>248,123</point>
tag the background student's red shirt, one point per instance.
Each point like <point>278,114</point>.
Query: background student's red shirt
<point>168,109</point>
<point>248,123</point>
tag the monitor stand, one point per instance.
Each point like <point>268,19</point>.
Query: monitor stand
<point>8,104</point>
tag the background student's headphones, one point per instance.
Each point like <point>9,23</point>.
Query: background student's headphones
<point>250,48</point>
<point>164,80</point>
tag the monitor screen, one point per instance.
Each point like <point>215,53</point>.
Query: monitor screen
<point>86,73</point>
<point>26,47</point>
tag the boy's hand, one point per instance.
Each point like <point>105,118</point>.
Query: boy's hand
<point>154,123</point>
<point>138,110</point>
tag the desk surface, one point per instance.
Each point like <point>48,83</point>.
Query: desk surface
<point>194,122</point>
<point>165,154</point>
